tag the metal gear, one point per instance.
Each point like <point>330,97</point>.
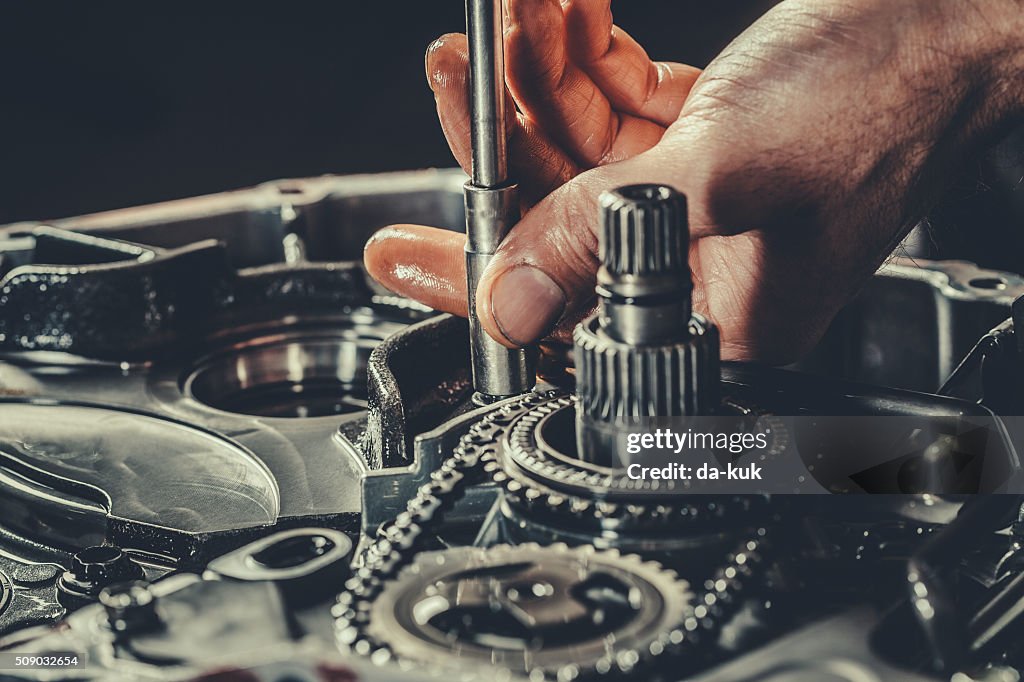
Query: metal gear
<point>398,542</point>
<point>644,353</point>
<point>546,612</point>
<point>399,546</point>
<point>540,480</point>
<point>617,380</point>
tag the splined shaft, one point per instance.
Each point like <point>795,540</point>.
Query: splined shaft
<point>645,353</point>
<point>644,282</point>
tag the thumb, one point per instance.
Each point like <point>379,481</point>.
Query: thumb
<point>545,270</point>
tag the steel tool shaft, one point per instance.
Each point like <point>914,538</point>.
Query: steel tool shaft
<point>492,202</point>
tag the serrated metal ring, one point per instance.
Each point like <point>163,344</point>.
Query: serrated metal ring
<point>660,610</point>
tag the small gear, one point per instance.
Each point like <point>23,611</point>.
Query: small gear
<point>645,353</point>
<point>618,382</point>
<point>547,612</point>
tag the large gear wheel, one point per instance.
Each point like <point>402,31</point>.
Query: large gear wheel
<point>546,612</point>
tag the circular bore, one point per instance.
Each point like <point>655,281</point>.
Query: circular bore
<point>299,374</point>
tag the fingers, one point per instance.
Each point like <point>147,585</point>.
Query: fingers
<point>559,97</point>
<point>537,164</point>
<point>544,271</point>
<point>424,263</point>
<point>620,67</point>
<point>447,64</point>
<point>428,264</point>
<point>540,281</point>
<point>574,75</point>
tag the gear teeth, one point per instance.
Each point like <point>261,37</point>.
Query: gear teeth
<point>644,230</point>
<point>393,559</point>
<point>616,380</point>
<point>616,656</point>
<point>535,483</point>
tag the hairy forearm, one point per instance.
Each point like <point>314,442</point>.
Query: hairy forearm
<point>988,38</point>
<point>1012,76</point>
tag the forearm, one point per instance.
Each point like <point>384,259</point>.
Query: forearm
<point>988,38</point>
<point>1012,79</point>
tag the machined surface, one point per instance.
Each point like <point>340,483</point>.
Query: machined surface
<point>492,202</point>
<point>487,92</point>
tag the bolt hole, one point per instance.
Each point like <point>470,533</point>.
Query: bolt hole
<point>99,554</point>
<point>293,551</point>
<point>988,283</point>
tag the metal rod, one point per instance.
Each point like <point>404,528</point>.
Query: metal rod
<point>484,28</point>
<point>492,202</point>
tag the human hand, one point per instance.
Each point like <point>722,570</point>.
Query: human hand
<point>806,149</point>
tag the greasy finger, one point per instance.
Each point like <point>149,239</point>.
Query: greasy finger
<point>424,263</point>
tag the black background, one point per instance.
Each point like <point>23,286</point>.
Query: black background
<point>111,104</point>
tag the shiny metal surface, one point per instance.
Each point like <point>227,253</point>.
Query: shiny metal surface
<point>644,282</point>
<point>194,481</point>
<point>235,381</point>
<point>295,374</point>
<point>305,468</point>
<point>492,204</point>
<point>487,92</point>
<point>644,352</point>
<point>544,612</point>
<point>913,322</point>
<point>498,372</point>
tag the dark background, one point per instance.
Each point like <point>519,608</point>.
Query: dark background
<point>112,104</point>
